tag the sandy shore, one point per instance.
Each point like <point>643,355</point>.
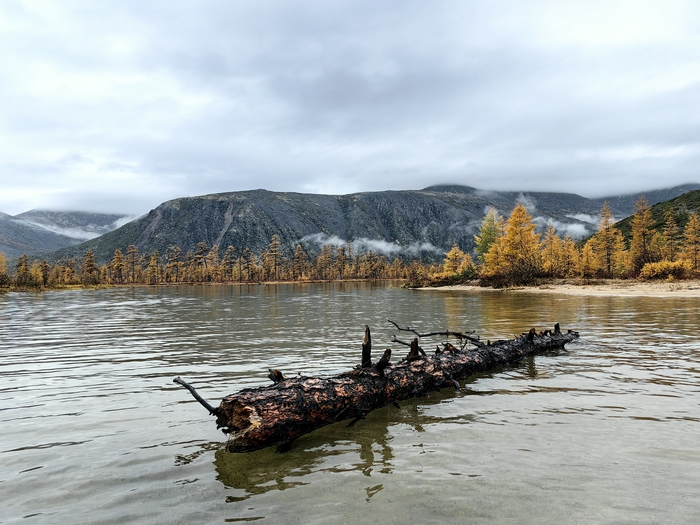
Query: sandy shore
<point>612,288</point>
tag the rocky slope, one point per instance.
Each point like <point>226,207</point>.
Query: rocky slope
<point>425,222</point>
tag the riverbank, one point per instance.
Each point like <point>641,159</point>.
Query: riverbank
<point>620,288</point>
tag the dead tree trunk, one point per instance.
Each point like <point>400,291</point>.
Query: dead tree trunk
<point>260,417</point>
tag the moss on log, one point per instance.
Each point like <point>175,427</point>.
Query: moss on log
<point>261,417</point>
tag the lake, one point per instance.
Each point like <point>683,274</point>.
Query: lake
<point>93,430</point>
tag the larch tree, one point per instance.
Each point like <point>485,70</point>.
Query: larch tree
<point>588,262</point>
<point>132,259</point>
<point>607,243</point>
<point>551,252</point>
<point>4,277</point>
<point>669,236</point>
<point>118,266</point>
<point>515,255</point>
<point>300,263</point>
<point>275,253</point>
<point>691,242</point>
<point>90,271</point>
<point>174,264</point>
<point>228,263</point>
<point>642,233</point>
<point>491,229</point>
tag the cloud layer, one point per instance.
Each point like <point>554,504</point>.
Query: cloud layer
<point>118,106</point>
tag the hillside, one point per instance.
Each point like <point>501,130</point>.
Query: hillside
<point>425,222</point>
<point>682,206</point>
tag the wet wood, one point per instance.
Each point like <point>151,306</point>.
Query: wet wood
<point>261,417</point>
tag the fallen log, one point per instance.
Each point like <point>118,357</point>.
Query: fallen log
<point>277,414</point>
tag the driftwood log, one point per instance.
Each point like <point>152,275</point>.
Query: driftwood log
<point>260,417</point>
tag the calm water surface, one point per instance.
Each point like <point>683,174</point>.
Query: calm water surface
<point>92,429</point>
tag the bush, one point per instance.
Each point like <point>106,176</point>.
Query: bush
<point>664,270</point>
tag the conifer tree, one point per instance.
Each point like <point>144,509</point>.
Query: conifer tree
<point>515,256</point>
<point>4,277</point>
<point>132,259</point>
<point>588,264</point>
<point>551,252</point>
<point>299,263</point>
<point>275,253</point>
<point>174,264</point>
<point>22,270</point>
<point>669,236</point>
<point>607,243</point>
<point>453,260</point>
<point>90,272</point>
<point>228,263</point>
<point>691,242</point>
<point>118,265</point>
<point>491,229</point>
<point>642,233</point>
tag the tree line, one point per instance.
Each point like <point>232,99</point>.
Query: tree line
<point>511,251</point>
<point>507,252</point>
<point>206,264</point>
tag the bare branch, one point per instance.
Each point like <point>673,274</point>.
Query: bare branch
<point>462,336</point>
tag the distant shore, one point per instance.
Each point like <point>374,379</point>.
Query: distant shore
<point>617,288</point>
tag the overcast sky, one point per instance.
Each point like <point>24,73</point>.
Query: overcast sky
<point>121,105</point>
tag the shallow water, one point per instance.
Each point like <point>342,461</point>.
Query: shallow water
<point>92,429</point>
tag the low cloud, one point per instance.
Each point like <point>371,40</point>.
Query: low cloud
<point>363,244</point>
<point>574,230</point>
<point>583,217</point>
<point>529,203</point>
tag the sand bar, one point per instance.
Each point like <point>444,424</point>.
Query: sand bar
<point>612,288</point>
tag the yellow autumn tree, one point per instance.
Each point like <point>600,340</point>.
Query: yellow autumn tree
<point>491,229</point>
<point>691,243</point>
<point>607,244</point>
<point>552,248</point>
<point>641,246</point>
<point>514,257</point>
<point>457,262</point>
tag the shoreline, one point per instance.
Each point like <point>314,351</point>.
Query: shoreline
<point>615,288</point>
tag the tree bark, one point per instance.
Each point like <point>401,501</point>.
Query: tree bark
<point>261,417</point>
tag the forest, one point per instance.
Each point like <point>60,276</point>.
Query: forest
<point>508,251</point>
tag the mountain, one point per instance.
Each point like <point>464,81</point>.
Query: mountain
<point>623,205</point>
<point>424,222</point>
<point>39,232</point>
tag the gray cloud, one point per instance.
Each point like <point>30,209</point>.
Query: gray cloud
<point>118,106</point>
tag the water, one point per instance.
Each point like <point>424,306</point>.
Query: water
<point>92,429</point>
